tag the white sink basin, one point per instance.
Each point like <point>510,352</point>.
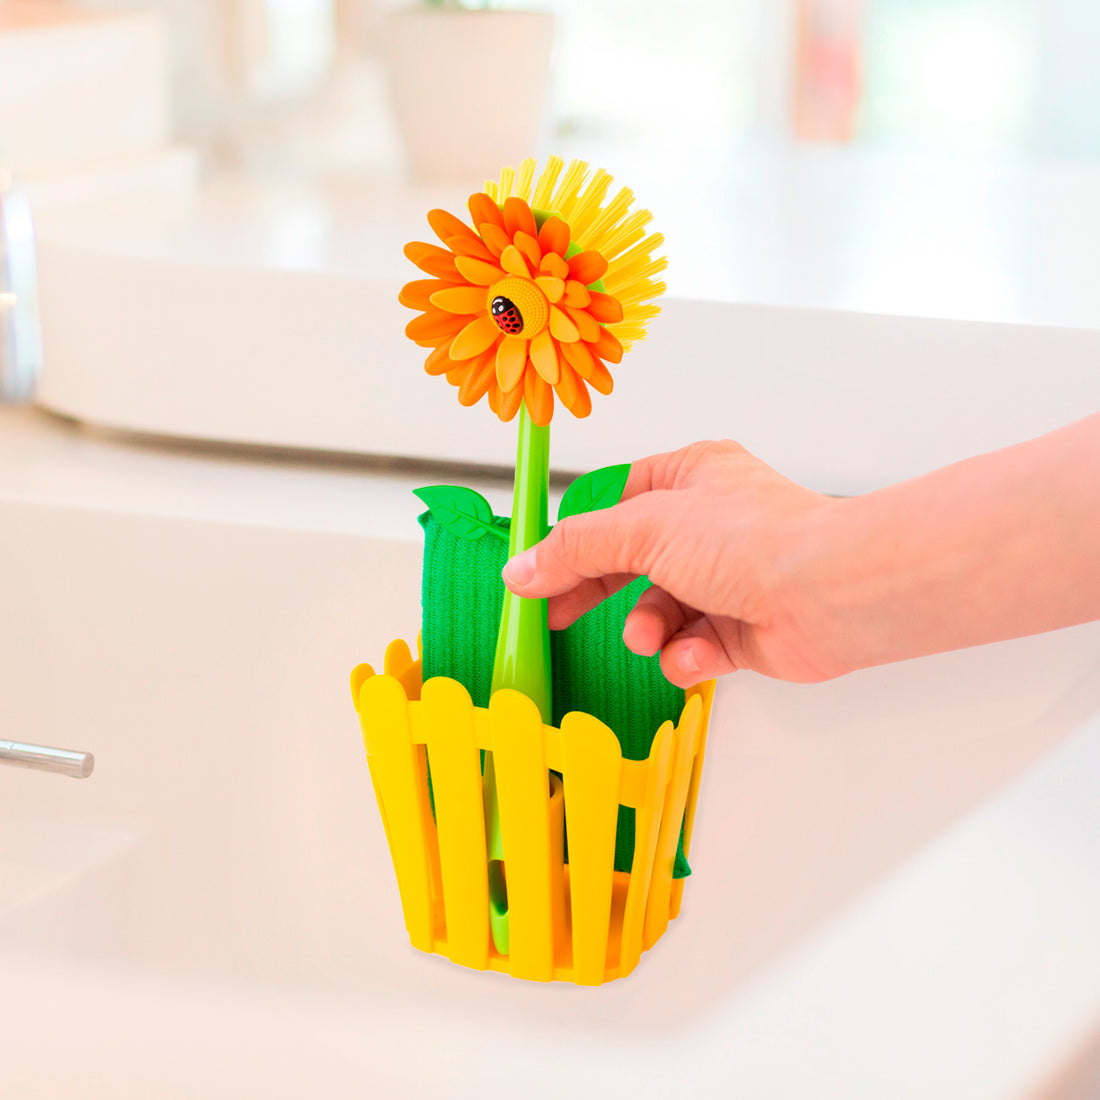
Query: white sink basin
<point>227,923</point>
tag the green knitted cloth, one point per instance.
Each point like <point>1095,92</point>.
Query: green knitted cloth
<point>592,670</point>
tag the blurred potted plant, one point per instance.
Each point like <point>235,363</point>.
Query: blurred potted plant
<point>467,85</point>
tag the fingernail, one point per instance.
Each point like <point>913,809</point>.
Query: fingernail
<point>521,569</point>
<point>688,659</point>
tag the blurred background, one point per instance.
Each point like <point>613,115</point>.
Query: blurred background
<point>302,84</point>
<point>918,158</point>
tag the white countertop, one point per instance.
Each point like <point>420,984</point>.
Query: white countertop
<point>49,461</point>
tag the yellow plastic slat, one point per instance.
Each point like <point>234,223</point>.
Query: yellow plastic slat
<point>359,676</point>
<point>635,775</point>
<point>705,691</point>
<point>385,721</point>
<point>592,763</point>
<point>646,822</point>
<point>672,817</point>
<point>399,664</point>
<point>523,791</point>
<point>447,722</point>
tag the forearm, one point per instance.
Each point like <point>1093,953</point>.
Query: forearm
<point>998,546</point>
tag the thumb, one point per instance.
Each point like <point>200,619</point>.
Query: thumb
<point>617,540</point>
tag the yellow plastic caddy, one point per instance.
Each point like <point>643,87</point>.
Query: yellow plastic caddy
<point>580,921</point>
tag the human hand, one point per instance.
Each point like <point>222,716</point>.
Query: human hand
<point>715,530</point>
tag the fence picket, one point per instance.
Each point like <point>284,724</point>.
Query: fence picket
<point>384,716</point>
<point>523,792</point>
<point>592,764</point>
<point>646,822</point>
<point>672,817</point>
<point>448,726</point>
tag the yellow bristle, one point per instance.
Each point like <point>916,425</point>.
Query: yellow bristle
<point>629,335</point>
<point>612,214</point>
<point>540,200</point>
<point>565,197</point>
<point>587,210</point>
<point>507,178</point>
<point>639,312</point>
<point>490,189</point>
<point>643,250</point>
<point>640,291</point>
<point>522,186</point>
<point>630,231</point>
<point>631,273</point>
<point>626,332</point>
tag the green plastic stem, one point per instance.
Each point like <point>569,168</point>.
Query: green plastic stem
<point>523,644</point>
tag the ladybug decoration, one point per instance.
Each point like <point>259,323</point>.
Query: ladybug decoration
<point>507,316</point>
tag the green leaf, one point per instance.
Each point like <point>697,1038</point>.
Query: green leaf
<point>462,511</point>
<point>591,492</point>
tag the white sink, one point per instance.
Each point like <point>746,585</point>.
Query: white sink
<point>871,914</point>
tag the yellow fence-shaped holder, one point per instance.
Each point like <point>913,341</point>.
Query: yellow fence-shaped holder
<point>582,921</point>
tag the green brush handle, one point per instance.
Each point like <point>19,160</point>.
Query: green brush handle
<point>523,644</point>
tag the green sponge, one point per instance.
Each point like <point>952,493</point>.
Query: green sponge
<point>592,670</point>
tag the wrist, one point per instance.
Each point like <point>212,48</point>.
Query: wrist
<point>815,578</point>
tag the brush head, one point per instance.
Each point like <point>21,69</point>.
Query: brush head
<point>549,282</point>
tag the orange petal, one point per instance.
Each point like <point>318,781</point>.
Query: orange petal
<point>511,259</point>
<point>511,359</point>
<point>479,334</point>
<point>605,308</point>
<point>507,404</point>
<point>580,358</point>
<point>587,267</point>
<point>440,361</point>
<point>573,393</point>
<point>446,225</point>
<point>418,293</point>
<point>483,209</point>
<point>561,327</point>
<point>430,328</point>
<point>518,218</point>
<point>496,240</point>
<point>544,354</point>
<point>432,259</point>
<point>460,299</point>
<point>589,330</point>
<point>576,294</point>
<point>478,272</point>
<point>551,287</point>
<point>529,247</point>
<point>601,379</point>
<point>554,236</point>
<point>554,266</point>
<point>539,399</point>
<point>478,381</point>
<point>470,246</point>
<point>458,373</point>
<point>608,347</point>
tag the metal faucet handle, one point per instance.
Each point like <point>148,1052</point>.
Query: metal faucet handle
<point>77,764</point>
<point>20,329</point>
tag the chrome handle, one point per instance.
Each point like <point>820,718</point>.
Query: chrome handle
<point>77,764</point>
